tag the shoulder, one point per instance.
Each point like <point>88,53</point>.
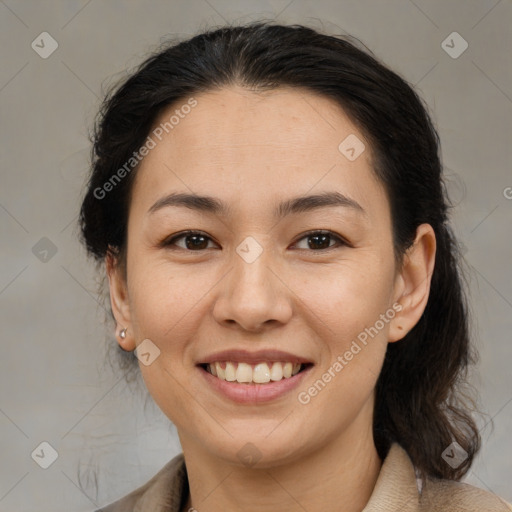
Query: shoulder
<point>398,489</point>
<point>164,491</point>
<point>447,495</point>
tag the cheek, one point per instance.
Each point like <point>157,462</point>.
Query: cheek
<point>355,306</point>
<point>163,295</point>
<point>166,308</point>
<point>349,311</point>
<point>346,297</point>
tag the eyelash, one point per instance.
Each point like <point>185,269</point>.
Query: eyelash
<point>169,242</point>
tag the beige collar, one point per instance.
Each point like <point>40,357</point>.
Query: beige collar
<point>396,488</point>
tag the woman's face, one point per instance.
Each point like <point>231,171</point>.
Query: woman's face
<point>253,282</point>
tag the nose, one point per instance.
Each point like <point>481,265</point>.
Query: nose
<point>253,295</point>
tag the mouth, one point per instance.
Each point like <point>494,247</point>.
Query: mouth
<point>253,377</point>
<point>261,373</point>
<point>254,380</point>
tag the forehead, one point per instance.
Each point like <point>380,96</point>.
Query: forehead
<point>233,121</point>
<point>249,147</point>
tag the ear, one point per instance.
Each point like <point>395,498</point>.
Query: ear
<point>119,301</point>
<point>412,285</point>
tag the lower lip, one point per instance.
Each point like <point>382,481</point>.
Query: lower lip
<point>254,393</point>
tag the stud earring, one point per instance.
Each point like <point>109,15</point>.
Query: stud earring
<point>122,333</point>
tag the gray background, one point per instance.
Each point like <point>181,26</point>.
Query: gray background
<point>54,383</point>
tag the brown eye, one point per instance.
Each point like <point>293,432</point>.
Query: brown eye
<point>194,241</point>
<point>321,240</point>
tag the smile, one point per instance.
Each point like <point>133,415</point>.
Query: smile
<point>260,373</point>
<point>250,377</point>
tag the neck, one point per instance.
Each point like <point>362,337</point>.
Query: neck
<point>342,471</point>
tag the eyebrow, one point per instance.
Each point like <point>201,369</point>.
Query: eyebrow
<point>291,206</point>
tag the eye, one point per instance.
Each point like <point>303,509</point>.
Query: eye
<point>194,241</point>
<point>197,241</point>
<point>320,240</point>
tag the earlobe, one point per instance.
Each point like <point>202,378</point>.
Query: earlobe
<point>412,287</point>
<point>119,302</point>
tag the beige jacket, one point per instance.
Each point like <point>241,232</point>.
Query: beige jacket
<point>396,490</point>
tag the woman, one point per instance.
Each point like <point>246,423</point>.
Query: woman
<point>269,205</point>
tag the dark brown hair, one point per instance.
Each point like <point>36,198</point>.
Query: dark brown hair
<point>418,396</point>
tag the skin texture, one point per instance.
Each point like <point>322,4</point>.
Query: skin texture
<point>253,150</point>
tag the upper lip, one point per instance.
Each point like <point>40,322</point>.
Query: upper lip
<point>245,356</point>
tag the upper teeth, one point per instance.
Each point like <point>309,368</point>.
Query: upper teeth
<point>260,373</point>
